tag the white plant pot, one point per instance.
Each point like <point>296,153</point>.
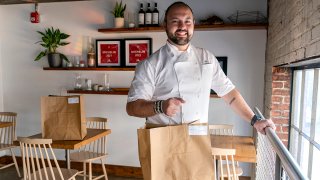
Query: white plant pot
<point>118,22</point>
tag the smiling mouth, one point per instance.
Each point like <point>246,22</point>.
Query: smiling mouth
<point>181,33</point>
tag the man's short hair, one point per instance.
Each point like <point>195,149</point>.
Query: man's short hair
<point>178,3</point>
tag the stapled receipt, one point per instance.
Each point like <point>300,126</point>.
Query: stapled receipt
<point>195,130</point>
<point>73,100</point>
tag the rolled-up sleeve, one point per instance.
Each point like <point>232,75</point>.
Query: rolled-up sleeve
<point>143,83</point>
<point>221,84</point>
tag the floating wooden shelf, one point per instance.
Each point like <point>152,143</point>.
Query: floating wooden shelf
<point>197,28</point>
<point>89,69</point>
<point>6,2</point>
<point>114,91</point>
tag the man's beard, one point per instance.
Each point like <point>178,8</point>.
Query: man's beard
<point>178,40</point>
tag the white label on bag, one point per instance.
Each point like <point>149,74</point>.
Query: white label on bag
<point>198,130</point>
<point>73,100</point>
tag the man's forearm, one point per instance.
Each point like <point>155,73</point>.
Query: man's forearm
<point>141,108</point>
<point>238,104</point>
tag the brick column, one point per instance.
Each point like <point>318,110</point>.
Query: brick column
<point>280,101</point>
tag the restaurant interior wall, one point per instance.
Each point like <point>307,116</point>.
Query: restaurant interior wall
<point>293,35</point>
<point>1,75</point>
<point>25,81</point>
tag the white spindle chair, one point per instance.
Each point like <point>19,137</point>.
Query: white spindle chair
<point>7,136</point>
<point>226,164</point>
<point>97,150</point>
<point>36,155</point>
<point>221,129</point>
<point>224,130</point>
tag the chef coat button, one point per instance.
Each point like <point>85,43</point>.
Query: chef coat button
<point>172,54</point>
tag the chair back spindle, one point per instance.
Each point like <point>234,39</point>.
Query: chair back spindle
<point>7,134</point>
<point>226,163</point>
<point>221,129</point>
<point>36,155</point>
<point>98,146</point>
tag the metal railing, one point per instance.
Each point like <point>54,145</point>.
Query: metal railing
<point>272,155</point>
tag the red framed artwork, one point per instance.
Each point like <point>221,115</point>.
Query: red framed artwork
<point>137,50</point>
<point>108,52</point>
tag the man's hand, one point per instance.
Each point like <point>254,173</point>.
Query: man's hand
<point>171,106</point>
<point>262,124</point>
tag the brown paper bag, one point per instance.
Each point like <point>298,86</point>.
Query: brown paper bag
<point>170,153</point>
<point>63,117</point>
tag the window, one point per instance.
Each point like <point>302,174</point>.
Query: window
<point>305,119</point>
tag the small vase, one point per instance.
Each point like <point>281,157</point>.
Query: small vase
<point>118,22</point>
<point>54,60</point>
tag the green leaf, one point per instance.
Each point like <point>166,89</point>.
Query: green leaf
<point>40,55</point>
<point>63,57</point>
<point>41,33</point>
<point>64,36</point>
<point>44,45</point>
<point>64,43</point>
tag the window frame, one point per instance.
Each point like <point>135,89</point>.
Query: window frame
<point>299,130</point>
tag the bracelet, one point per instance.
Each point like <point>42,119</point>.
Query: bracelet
<point>157,107</point>
<point>254,119</point>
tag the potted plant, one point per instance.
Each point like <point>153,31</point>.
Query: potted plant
<point>118,13</point>
<point>51,39</point>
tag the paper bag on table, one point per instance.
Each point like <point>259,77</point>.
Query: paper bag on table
<point>175,153</point>
<point>63,117</point>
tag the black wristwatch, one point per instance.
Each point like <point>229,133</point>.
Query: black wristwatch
<point>254,119</point>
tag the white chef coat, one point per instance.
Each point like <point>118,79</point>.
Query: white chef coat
<point>189,75</point>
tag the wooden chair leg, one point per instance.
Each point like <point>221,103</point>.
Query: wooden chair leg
<point>15,162</point>
<point>104,170</point>
<point>90,170</point>
<point>84,171</point>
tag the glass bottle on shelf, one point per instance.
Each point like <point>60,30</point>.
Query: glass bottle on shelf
<point>76,61</point>
<point>141,15</point>
<point>88,84</point>
<point>131,23</point>
<point>107,82</point>
<point>148,18</point>
<point>78,82</point>
<point>91,61</point>
<point>91,57</point>
<point>155,15</point>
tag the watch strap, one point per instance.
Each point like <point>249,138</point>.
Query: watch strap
<point>254,119</point>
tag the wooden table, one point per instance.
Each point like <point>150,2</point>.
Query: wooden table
<point>5,124</point>
<point>92,135</point>
<point>244,145</point>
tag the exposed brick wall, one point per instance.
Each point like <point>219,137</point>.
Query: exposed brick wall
<point>293,34</point>
<point>280,101</point>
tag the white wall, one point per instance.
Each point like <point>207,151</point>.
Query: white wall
<point>24,81</point>
<point>1,81</point>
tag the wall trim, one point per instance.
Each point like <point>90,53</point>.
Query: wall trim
<point>115,170</point>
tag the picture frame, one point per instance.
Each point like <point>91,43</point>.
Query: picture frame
<point>223,61</point>
<point>137,50</point>
<point>109,52</point>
